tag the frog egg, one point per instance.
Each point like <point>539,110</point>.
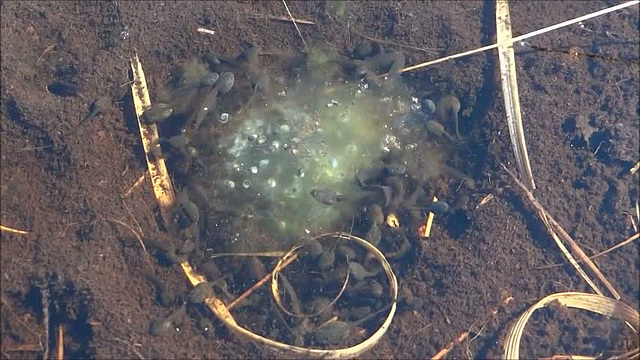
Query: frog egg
<point>224,118</point>
<point>263,163</point>
<point>253,169</point>
<point>261,139</point>
<point>246,184</point>
<point>271,182</point>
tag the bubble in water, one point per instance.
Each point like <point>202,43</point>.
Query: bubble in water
<point>332,103</point>
<point>246,184</point>
<point>224,117</point>
<point>271,182</point>
<point>415,104</point>
<point>231,184</point>
<point>253,169</point>
<point>262,139</point>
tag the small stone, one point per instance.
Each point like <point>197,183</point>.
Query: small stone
<point>300,172</point>
<point>271,182</point>
<point>263,163</point>
<point>253,169</point>
<point>252,137</point>
<point>246,184</point>
<point>231,184</point>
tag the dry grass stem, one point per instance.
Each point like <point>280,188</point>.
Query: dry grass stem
<point>275,292</point>
<point>295,23</point>
<point>135,233</point>
<point>12,230</point>
<point>60,343</point>
<point>136,184</point>
<point>633,354</point>
<point>591,302</point>
<point>465,334</point>
<point>554,229</point>
<point>621,244</point>
<point>522,37</point>
<point>283,18</point>
<point>159,175</point>
<point>509,81</point>
<point>222,312</point>
<point>133,218</point>
<point>258,284</point>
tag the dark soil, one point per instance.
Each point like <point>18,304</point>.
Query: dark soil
<point>66,182</point>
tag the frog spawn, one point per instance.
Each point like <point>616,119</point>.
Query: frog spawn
<point>264,141</point>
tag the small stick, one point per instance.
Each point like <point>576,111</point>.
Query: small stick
<point>295,24</point>
<point>259,283</point>
<point>463,335</point>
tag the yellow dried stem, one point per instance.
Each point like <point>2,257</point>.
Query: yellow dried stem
<point>13,231</point>
<point>149,133</point>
